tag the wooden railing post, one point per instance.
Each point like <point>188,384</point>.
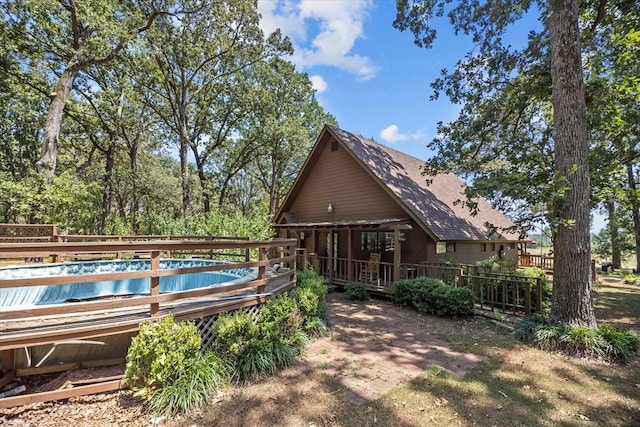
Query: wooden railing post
<point>262,269</point>
<point>527,299</point>
<point>155,282</point>
<point>539,293</point>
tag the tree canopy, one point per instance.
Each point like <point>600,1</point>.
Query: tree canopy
<point>119,114</point>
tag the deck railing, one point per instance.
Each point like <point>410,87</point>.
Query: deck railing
<point>505,292</point>
<point>154,250</point>
<point>530,260</point>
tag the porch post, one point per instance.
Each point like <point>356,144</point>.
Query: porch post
<point>350,255</point>
<point>314,250</point>
<point>331,255</point>
<point>397,254</point>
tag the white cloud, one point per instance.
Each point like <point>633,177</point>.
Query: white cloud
<point>392,134</point>
<point>319,84</point>
<point>339,24</point>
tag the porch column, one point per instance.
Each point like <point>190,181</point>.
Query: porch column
<point>331,255</point>
<point>314,251</point>
<point>349,255</point>
<point>397,254</point>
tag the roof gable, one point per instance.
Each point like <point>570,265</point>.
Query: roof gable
<point>435,206</point>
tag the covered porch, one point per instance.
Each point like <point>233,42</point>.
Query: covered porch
<point>373,252</point>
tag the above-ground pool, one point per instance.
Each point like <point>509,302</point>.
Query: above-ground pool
<point>58,294</point>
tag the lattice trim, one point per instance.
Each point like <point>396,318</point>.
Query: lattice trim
<point>205,324</point>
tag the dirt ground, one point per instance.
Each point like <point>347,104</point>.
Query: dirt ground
<point>372,348</point>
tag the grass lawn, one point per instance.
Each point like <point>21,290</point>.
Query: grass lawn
<point>514,385</point>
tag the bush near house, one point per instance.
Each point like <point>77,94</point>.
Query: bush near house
<point>356,291</point>
<point>168,370</point>
<point>433,296</point>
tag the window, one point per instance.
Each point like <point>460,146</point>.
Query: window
<point>376,242</point>
<point>334,146</point>
<point>445,247</point>
<point>483,247</point>
<point>511,245</point>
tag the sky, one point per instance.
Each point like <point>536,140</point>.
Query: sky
<point>371,76</point>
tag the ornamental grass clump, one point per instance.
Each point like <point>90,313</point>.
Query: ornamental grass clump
<point>605,342</point>
<point>193,388</point>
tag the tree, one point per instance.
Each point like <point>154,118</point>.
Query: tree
<point>554,53</point>
<point>68,37</point>
<point>285,121</point>
<point>198,59</point>
<point>612,67</point>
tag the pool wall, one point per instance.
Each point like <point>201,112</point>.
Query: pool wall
<point>57,294</point>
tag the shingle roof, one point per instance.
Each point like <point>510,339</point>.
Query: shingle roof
<point>435,205</point>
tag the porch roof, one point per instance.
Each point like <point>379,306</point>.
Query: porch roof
<point>386,223</point>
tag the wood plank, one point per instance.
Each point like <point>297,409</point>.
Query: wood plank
<point>62,367</point>
<point>7,378</point>
<point>10,402</point>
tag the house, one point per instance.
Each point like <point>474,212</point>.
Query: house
<point>363,212</point>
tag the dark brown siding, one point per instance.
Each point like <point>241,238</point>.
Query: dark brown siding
<point>337,179</point>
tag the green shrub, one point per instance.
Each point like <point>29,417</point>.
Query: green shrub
<point>310,296</point>
<point>402,291</point>
<point>356,291</point>
<point>632,279</point>
<point>160,353</point>
<point>193,388</point>
<point>622,345</point>
<point>433,296</point>
<point>233,332</point>
<point>279,318</point>
<point>425,294</point>
<point>547,288</point>
<point>456,302</point>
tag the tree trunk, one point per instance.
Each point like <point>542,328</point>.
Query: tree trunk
<point>135,199</point>
<point>48,159</point>
<point>184,172</point>
<point>635,210</point>
<point>616,253</point>
<point>107,192</point>
<point>571,301</point>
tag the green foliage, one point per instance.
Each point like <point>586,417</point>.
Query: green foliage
<point>279,319</point>
<point>490,264</point>
<point>632,279</point>
<point>534,273</point>
<point>356,291</point>
<point>402,291</point>
<point>233,334</point>
<point>311,294</point>
<point>193,388</point>
<point>160,353</point>
<point>433,296</point>
<point>604,342</point>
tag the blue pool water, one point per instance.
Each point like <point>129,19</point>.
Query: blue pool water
<point>57,294</point>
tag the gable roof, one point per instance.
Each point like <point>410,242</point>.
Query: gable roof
<point>434,206</point>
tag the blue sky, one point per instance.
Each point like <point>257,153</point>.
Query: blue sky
<point>369,75</point>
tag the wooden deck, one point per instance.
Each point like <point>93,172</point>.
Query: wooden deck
<point>56,323</point>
